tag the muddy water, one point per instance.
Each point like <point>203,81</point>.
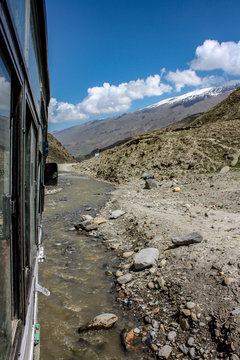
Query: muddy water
<point>74,273</point>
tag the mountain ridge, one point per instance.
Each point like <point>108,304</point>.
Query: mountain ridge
<point>84,138</point>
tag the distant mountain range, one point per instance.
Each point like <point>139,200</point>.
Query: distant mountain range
<point>91,136</point>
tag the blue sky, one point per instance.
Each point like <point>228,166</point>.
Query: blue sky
<point>143,51</point>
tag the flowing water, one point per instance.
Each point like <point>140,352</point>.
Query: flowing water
<point>74,273</point>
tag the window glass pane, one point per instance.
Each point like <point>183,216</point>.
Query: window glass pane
<point>18,8</point>
<point>33,64</point>
<point>5,280</point>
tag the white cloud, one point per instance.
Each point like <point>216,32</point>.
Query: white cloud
<point>213,55</point>
<point>107,99</point>
<point>182,78</point>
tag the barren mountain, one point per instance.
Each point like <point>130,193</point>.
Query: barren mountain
<point>93,135</point>
<point>57,152</point>
<point>203,145</point>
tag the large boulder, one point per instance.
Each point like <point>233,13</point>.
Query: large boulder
<point>102,321</point>
<point>146,258</point>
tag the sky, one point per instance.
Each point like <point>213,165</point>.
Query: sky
<point>108,57</point>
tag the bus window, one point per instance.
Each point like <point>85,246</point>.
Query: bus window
<point>5,273</point>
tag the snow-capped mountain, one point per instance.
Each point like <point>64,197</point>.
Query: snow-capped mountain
<point>85,138</point>
<point>198,94</point>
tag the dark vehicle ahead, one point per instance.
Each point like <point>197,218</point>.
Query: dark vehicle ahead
<point>24,99</point>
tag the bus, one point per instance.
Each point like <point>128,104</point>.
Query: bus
<point>24,100</point>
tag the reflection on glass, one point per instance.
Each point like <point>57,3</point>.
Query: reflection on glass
<point>33,64</point>
<point>18,8</point>
<point>5,295</point>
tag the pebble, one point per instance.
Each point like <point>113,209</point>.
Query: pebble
<point>116,214</point>
<point>118,273</point>
<point>150,285</point>
<point>171,335</point>
<point>165,352</point>
<point>192,353</point>
<point>228,281</point>
<point>191,341</point>
<point>190,305</point>
<point>150,184</point>
<point>127,254</point>
<point>184,349</point>
<point>191,238</point>
<point>145,258</point>
<point>186,312</point>
<point>154,347</point>
<point>125,278</point>
<point>155,324</point>
<point>184,323</point>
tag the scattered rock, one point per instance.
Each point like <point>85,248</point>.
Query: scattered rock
<point>146,176</point>
<point>100,220</point>
<point>129,339</point>
<point>184,349</point>
<point>192,238</point>
<point>146,258</point>
<point>165,352</point>
<point>116,214</point>
<point>102,321</point>
<point>190,305</point>
<point>125,278</point>
<point>176,189</point>
<point>225,170</point>
<point>184,323</point>
<point>171,335</point>
<point>127,254</point>
<point>150,184</point>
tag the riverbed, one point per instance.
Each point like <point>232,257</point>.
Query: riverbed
<point>75,274</point>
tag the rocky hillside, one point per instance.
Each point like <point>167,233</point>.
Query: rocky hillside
<point>206,144</point>
<point>57,152</point>
<point>94,135</point>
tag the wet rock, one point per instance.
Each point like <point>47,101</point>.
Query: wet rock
<point>124,278</point>
<point>146,258</point>
<point>102,321</point>
<point>165,352</point>
<point>116,214</point>
<point>146,176</point>
<point>191,238</point>
<point>118,273</point>
<point>150,184</point>
<point>91,227</point>
<point>129,339</point>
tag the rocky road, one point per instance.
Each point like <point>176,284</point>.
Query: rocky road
<point>186,300</point>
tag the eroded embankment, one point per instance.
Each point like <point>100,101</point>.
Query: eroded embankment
<point>188,302</point>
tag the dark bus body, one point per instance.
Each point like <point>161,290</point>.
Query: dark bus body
<point>24,99</point>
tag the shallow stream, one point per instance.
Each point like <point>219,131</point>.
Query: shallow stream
<point>74,273</point>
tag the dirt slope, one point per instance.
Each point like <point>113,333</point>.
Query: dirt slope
<point>206,145</point>
<point>57,152</point>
